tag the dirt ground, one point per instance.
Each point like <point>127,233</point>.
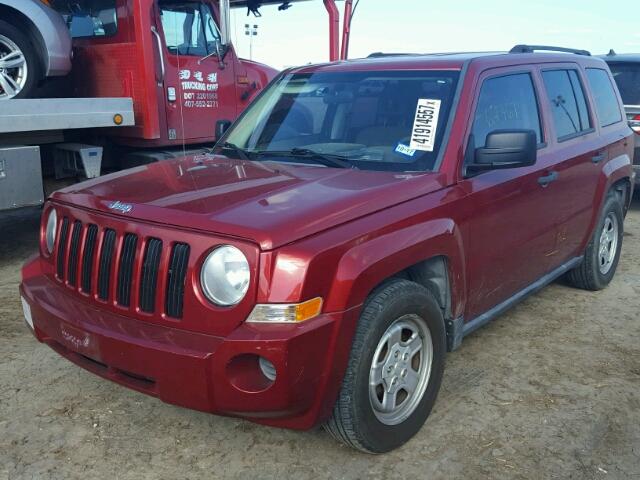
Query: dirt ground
<point>549,390</point>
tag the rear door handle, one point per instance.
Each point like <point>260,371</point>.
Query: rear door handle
<point>547,179</point>
<point>599,157</point>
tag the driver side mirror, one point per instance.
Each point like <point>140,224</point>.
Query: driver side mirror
<point>505,149</point>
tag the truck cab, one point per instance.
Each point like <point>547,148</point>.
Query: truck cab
<point>172,57</point>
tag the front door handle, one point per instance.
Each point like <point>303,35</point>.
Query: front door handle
<point>547,179</point>
<point>599,157</point>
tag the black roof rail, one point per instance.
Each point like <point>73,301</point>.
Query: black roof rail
<point>384,54</point>
<point>547,48</point>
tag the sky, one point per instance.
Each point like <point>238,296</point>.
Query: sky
<point>300,35</point>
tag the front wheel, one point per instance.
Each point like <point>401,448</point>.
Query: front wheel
<point>603,252</point>
<point>395,369</point>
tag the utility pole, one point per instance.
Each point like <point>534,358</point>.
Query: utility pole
<point>251,31</point>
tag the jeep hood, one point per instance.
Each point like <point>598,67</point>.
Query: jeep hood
<point>269,203</point>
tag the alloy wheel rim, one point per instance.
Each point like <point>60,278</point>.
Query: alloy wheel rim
<point>400,369</point>
<point>13,69</point>
<point>608,243</point>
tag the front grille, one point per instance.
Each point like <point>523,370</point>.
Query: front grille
<point>87,259</point>
<point>62,247</point>
<point>125,271</point>
<point>176,279</point>
<point>118,254</point>
<point>106,256</point>
<point>72,273</point>
<point>149,277</point>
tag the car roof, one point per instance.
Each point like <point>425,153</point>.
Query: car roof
<point>444,61</point>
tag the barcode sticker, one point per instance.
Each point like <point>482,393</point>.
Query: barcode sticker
<point>425,124</point>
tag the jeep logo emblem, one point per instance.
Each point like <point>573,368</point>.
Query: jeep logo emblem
<point>121,207</point>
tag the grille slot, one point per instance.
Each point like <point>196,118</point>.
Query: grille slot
<point>125,270</point>
<point>62,247</point>
<point>87,259</point>
<point>176,279</point>
<point>149,276</point>
<point>106,257</point>
<point>72,271</point>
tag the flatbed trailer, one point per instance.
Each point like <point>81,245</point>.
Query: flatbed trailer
<point>34,138</point>
<point>139,96</point>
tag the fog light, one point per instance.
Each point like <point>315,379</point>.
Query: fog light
<point>267,369</point>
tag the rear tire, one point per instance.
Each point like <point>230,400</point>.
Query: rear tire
<point>402,328</point>
<point>603,252</point>
<point>21,72</point>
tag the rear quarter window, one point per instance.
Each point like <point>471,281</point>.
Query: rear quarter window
<point>607,106</point>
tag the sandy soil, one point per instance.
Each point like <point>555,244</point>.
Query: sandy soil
<point>549,390</point>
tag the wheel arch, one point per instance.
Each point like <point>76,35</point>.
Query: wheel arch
<point>430,254</point>
<point>19,19</point>
<point>623,189</point>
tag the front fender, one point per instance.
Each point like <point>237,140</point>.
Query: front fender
<point>366,265</point>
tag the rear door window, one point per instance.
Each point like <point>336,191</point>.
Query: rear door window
<point>607,105</point>
<point>627,77</point>
<point>567,102</point>
<point>506,103</point>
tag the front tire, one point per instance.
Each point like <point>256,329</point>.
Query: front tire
<point>19,64</point>
<point>603,252</point>
<point>395,369</point>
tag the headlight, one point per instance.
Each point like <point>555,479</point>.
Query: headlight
<point>225,276</point>
<point>50,232</point>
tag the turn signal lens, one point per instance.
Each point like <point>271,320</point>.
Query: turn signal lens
<point>118,119</point>
<point>286,312</point>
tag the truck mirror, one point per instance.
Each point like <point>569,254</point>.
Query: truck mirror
<point>225,22</point>
<point>221,127</point>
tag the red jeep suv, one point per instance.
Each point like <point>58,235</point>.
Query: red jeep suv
<point>357,222</point>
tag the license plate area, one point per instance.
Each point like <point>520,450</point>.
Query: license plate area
<point>78,340</point>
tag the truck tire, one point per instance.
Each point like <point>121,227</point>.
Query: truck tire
<point>21,72</point>
<point>603,252</point>
<point>395,369</point>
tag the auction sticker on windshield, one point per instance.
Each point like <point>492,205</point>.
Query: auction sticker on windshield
<point>423,135</point>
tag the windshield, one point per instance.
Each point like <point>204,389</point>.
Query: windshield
<point>627,77</point>
<point>392,121</point>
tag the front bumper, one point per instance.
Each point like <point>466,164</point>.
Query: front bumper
<point>195,370</point>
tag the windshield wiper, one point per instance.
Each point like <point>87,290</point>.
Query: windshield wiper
<point>241,153</point>
<point>326,159</point>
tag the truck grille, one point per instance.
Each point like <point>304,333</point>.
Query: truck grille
<point>133,260</point>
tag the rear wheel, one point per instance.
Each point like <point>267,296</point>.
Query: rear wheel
<point>395,369</point>
<point>19,64</point>
<point>603,252</point>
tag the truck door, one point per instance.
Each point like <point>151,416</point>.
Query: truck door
<point>199,90</point>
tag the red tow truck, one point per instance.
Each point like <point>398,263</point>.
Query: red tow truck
<point>151,80</point>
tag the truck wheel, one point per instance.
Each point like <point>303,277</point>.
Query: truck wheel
<point>603,252</point>
<point>19,64</point>
<point>394,371</point>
